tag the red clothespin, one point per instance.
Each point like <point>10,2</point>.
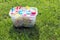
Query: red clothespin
<point>20,7</point>
<point>17,8</point>
<point>33,13</point>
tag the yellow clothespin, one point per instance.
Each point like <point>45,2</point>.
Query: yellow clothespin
<point>28,7</point>
<point>17,15</point>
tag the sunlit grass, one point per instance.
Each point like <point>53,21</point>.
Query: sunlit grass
<point>47,22</point>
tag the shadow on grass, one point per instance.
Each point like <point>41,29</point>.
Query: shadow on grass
<point>24,33</point>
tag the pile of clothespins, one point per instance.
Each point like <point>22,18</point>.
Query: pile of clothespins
<point>23,15</point>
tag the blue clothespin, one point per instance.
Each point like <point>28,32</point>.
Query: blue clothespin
<point>12,10</point>
<point>21,12</point>
<point>28,12</point>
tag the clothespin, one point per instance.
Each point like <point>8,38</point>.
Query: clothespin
<point>20,7</point>
<point>28,7</point>
<point>17,15</point>
<point>20,12</point>
<point>24,15</point>
<point>12,10</point>
<point>28,12</point>
<point>33,13</point>
<point>17,8</point>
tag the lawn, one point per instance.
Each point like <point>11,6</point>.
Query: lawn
<point>47,23</point>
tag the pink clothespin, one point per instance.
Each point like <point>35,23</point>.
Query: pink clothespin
<point>17,8</point>
<point>24,15</point>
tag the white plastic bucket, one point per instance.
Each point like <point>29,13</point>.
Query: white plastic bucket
<point>23,16</point>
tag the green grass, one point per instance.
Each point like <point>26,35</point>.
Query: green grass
<point>47,22</point>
